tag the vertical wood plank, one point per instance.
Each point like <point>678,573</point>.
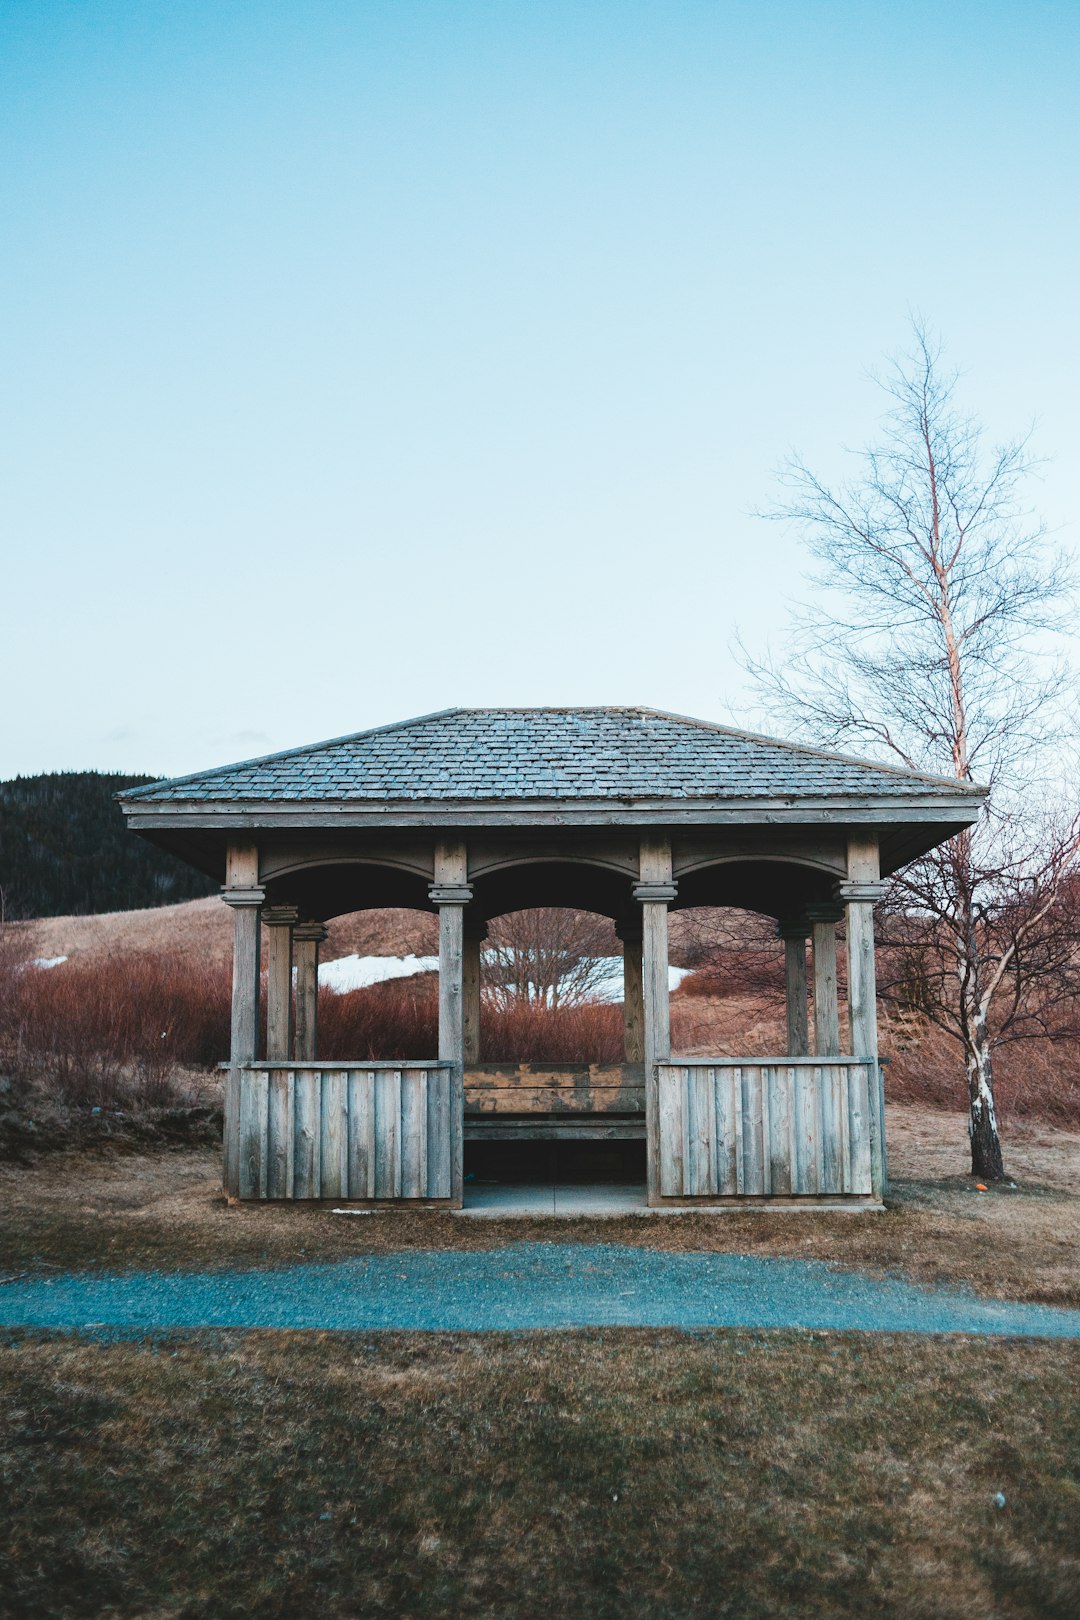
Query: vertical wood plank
<point>455,1094</point>
<point>414,1133</point>
<point>388,1133</point>
<point>752,1176</point>
<point>361,1131</point>
<point>334,1135</point>
<point>779,1129</point>
<point>699,1145</point>
<point>307,1134</point>
<point>860,1083</point>
<point>279,1146</point>
<point>440,1133</point>
<point>737,1128</point>
<point>254,1112</point>
<point>807,1089</point>
<point>728,1149</point>
<point>670,1084</point>
<point>832,1176</point>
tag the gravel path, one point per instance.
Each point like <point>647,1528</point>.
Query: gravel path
<point>525,1285</point>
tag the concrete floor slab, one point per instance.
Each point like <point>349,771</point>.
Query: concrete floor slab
<point>509,1198</point>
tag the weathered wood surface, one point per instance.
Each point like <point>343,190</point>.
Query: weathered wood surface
<point>245,1017</point>
<point>555,1088</point>
<point>826,1001</point>
<point>765,1128</point>
<point>561,1128</point>
<point>346,1131</point>
<point>795,990</point>
<point>864,874</point>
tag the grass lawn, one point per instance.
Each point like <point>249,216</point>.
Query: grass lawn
<point>605,1473</point>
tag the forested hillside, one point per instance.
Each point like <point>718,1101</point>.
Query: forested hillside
<point>64,850</point>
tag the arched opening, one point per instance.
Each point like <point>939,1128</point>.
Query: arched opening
<point>552,1107</point>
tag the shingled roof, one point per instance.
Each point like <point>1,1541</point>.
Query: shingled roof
<point>624,755</point>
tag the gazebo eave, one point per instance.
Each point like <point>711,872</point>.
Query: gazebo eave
<point>955,810</point>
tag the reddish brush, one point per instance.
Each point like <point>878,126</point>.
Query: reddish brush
<point>400,1019</point>
<point>1037,1079</point>
<point>114,1027</point>
<point>114,1031</point>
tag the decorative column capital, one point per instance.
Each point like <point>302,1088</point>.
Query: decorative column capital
<point>796,928</point>
<point>655,893</point>
<point>240,899</point>
<point>280,916</point>
<point>825,911</point>
<point>311,930</point>
<point>450,894</point>
<point>865,890</point>
<point>629,930</point>
<point>477,930</point>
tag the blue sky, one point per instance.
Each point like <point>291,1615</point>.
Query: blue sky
<point>360,359</point>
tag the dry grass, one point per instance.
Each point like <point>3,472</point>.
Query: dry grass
<point>201,931</point>
<point>596,1474</point>
<point>166,1209</point>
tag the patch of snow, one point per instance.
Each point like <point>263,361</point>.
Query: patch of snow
<point>345,973</point>
<point>355,972</point>
<point>47,961</point>
<point>609,984</point>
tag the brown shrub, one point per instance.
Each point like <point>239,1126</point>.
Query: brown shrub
<point>115,1029</point>
<point>396,1019</point>
<point>1037,1079</point>
<point>590,1033</point>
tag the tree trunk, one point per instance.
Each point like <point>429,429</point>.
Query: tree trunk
<point>986,1160</point>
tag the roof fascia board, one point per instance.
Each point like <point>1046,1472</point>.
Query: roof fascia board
<point>314,814</point>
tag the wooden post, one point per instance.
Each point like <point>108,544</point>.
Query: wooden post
<point>243,894</point>
<point>823,920</point>
<point>859,894</point>
<point>307,937</point>
<point>475,934</point>
<point>630,932</point>
<point>279,922</point>
<point>795,932</point>
<point>655,890</point>
<point>451,893</point>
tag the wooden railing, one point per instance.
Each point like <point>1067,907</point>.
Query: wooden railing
<point>366,1131</point>
<point>770,1127</point>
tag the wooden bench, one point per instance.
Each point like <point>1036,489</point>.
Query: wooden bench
<point>547,1102</point>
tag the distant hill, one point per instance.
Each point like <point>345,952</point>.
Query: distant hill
<point>64,850</point>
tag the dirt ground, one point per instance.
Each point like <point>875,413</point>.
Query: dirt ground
<point>165,1209</point>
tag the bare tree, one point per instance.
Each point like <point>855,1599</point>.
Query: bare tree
<point>550,957</point>
<point>931,643</point>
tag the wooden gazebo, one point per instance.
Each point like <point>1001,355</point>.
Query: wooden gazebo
<point>473,813</point>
